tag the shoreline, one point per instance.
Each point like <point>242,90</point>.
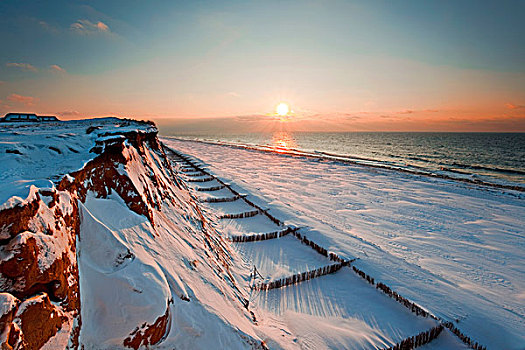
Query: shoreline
<point>354,161</point>
<point>427,240</point>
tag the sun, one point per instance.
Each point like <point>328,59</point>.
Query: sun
<point>282,109</point>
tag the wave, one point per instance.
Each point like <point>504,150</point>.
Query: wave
<point>488,168</point>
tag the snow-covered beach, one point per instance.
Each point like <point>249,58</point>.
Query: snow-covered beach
<point>453,248</point>
<point>112,239</point>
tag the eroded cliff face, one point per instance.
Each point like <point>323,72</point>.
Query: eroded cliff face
<point>38,267</point>
<point>142,246</point>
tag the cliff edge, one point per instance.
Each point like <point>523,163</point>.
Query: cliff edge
<point>101,246</point>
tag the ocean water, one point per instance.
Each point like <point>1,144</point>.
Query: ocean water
<point>493,158</point>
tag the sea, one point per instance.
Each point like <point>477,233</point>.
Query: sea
<point>496,159</point>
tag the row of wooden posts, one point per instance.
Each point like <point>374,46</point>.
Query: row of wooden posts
<point>188,169</point>
<point>385,289</point>
<point>204,179</point>
<point>210,189</point>
<point>299,277</point>
<point>408,343</point>
<point>194,174</point>
<point>402,300</point>
<point>417,340</point>
<point>262,236</point>
<point>418,310</point>
<point>330,255</point>
<point>463,337</point>
<point>220,200</point>
<point>246,214</point>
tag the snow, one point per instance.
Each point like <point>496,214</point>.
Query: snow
<point>235,207</point>
<point>342,311</point>
<point>38,299</point>
<point>288,307</point>
<point>446,340</point>
<point>248,226</point>
<point>61,338</point>
<point>282,257</point>
<point>168,264</point>
<point>222,193</point>
<point>456,249</point>
<point>114,297</point>
<point>48,151</point>
<point>7,303</point>
<point>26,192</point>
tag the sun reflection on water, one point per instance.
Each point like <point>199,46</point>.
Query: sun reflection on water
<point>282,140</point>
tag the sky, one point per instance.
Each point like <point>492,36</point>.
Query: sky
<point>195,66</point>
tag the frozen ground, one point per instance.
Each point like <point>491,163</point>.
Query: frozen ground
<point>339,310</point>
<point>454,248</point>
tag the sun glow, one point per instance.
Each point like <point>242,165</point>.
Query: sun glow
<point>282,109</point>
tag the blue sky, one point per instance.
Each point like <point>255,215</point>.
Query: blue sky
<point>366,59</point>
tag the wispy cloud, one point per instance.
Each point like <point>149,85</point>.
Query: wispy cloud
<point>513,106</point>
<point>57,68</point>
<point>23,66</point>
<point>233,94</point>
<point>69,114</point>
<point>86,27</point>
<point>48,27</point>
<point>26,100</point>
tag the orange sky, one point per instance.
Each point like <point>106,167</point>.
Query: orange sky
<point>340,65</point>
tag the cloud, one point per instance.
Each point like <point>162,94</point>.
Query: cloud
<point>513,106</point>
<point>69,114</point>
<point>26,100</point>
<point>48,27</point>
<point>86,27</point>
<point>233,94</point>
<point>57,68</point>
<point>23,66</point>
<point>252,118</point>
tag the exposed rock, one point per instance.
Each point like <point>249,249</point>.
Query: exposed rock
<point>38,320</point>
<point>149,334</point>
<point>16,219</point>
<point>9,332</point>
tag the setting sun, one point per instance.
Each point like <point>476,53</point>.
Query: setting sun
<point>282,109</point>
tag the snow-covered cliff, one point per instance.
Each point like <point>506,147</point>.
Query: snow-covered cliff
<point>102,246</point>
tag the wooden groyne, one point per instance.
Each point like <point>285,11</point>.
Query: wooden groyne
<point>194,174</point>
<point>246,214</point>
<point>465,339</point>
<point>330,255</point>
<point>300,277</point>
<point>408,343</point>
<point>220,199</point>
<point>188,169</point>
<point>204,179</point>
<point>262,236</point>
<point>417,340</point>
<point>210,189</point>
